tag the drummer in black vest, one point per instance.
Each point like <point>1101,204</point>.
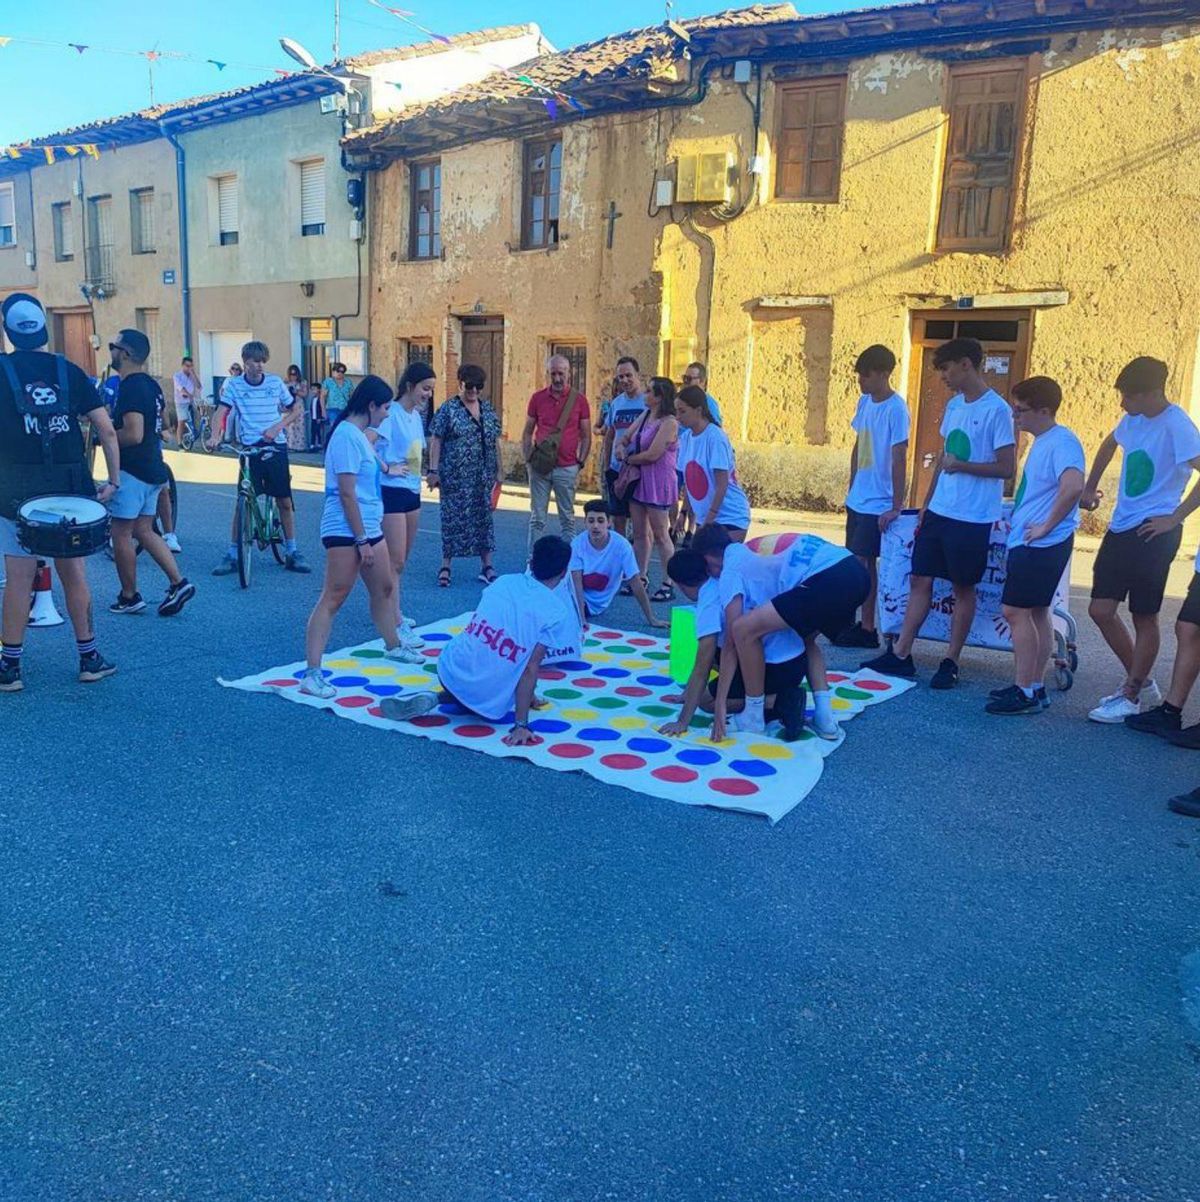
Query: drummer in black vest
<point>42,398</point>
<point>137,417</point>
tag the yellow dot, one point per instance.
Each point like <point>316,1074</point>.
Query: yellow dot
<point>344,663</point>
<point>703,737</point>
<point>425,682</point>
<point>454,630</point>
<point>636,664</point>
<point>579,715</point>
<point>598,657</point>
<point>769,751</point>
<point>375,671</point>
<point>839,704</point>
<point>628,723</point>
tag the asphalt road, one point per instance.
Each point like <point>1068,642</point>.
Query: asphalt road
<point>248,951</point>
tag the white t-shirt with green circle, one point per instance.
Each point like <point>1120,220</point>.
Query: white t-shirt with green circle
<point>1053,453</point>
<point>1155,465</point>
<point>974,431</point>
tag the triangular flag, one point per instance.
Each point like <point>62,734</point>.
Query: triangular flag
<point>48,151</point>
<point>219,66</point>
<point>399,12</point>
<point>282,71</point>
<point>77,46</point>
<point>5,41</point>
<point>152,55</point>
<point>575,104</point>
<point>12,152</point>
<point>438,37</point>
<point>91,150</point>
<point>526,80</point>
<point>551,108</point>
<point>71,150</point>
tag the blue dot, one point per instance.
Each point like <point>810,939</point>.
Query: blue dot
<point>655,680</point>
<point>612,673</point>
<point>436,638</point>
<point>752,768</point>
<point>549,726</point>
<point>698,757</point>
<point>649,746</point>
<point>508,719</point>
<point>349,682</point>
<point>599,734</point>
<point>570,665</point>
<point>384,690</point>
<point>453,709</point>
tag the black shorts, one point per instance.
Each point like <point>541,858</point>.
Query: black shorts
<point>779,676</point>
<point>400,500</point>
<point>270,475</point>
<point>616,508</point>
<point>1191,603</point>
<point>340,540</point>
<point>950,549</point>
<point>1032,574</point>
<point>1129,565</point>
<point>826,602</point>
<point>862,533</point>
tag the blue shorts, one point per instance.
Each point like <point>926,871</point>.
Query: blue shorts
<point>134,498</point>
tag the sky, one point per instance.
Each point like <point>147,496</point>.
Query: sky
<point>48,88</point>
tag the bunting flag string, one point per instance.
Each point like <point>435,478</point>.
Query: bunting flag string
<point>49,149</point>
<point>151,56</point>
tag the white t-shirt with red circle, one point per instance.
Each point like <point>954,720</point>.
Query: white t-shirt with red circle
<point>603,569</point>
<point>709,452</point>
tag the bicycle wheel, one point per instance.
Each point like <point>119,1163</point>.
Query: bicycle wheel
<point>189,437</point>
<point>243,535</point>
<point>273,527</point>
<point>205,435</point>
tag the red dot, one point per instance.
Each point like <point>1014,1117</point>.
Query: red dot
<point>281,684</point>
<point>551,674</point>
<point>733,788</point>
<point>430,720</point>
<point>588,682</point>
<point>606,634</point>
<point>474,732</point>
<point>622,761</point>
<point>632,690</point>
<point>835,677</point>
<point>432,652</point>
<point>375,712</point>
<point>570,751</point>
<point>355,703</point>
<point>874,686</point>
<point>675,775</point>
<point>641,642</point>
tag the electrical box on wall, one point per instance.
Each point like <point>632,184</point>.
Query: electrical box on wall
<point>703,178</point>
<point>664,192</point>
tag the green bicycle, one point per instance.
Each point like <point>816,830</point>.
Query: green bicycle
<point>256,521</point>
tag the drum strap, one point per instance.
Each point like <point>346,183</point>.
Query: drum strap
<point>28,407</point>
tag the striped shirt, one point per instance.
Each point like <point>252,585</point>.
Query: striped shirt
<point>257,406</point>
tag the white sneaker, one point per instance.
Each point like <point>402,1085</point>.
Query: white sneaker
<point>409,638</point>
<point>172,542</point>
<point>404,655</point>
<point>1114,709</point>
<point>827,729</point>
<point>315,685</point>
<point>408,623</point>
<point>1150,695</point>
<point>407,706</point>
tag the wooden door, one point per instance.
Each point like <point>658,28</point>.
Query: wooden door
<point>73,338</point>
<point>1005,338</point>
<point>483,345</point>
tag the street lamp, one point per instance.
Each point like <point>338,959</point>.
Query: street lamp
<point>294,50</point>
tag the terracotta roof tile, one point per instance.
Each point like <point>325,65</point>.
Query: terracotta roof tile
<point>478,37</point>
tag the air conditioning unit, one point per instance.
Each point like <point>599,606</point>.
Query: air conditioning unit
<point>703,178</point>
<point>334,103</point>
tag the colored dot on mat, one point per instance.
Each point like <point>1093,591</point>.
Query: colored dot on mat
<point>649,746</point>
<point>732,787</point>
<point>609,703</point>
<point>377,670</point>
<point>675,775</point>
<point>508,719</point>
<point>455,629</point>
<point>769,751</point>
<point>290,683</point>
<point>632,690</point>
<point>607,634</point>
<point>655,681</point>
<point>354,703</point>
<point>453,709</point>
<point>599,657</point>
<point>660,656</point>
<point>852,694</point>
<point>572,665</point>
<point>439,636</point>
<point>430,668</point>
<point>472,731</point>
<point>549,726</point>
<point>570,751</point>
<point>840,705</point>
<point>612,673</point>
<point>588,682</point>
<point>367,653</point>
<point>623,762</point>
<point>872,686</point>
<point>348,682</point>
<point>430,720</point>
<point>628,723</point>
<point>564,694</point>
<point>591,642</point>
<point>416,681</point>
<point>621,649</point>
<point>752,768</point>
<point>551,674</point>
<point>431,652</point>
<point>641,642</point>
<point>698,756</point>
<point>656,711</point>
<point>636,664</point>
<point>599,734</point>
<point>701,721</point>
<point>581,715</point>
<point>834,677</point>
<point>383,690</point>
<point>343,664</point>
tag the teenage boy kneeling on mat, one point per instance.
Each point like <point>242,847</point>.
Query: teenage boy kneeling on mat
<point>491,666</point>
<point>786,666</point>
<point>601,560</point>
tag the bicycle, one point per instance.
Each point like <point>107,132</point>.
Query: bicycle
<point>197,427</point>
<point>256,521</point>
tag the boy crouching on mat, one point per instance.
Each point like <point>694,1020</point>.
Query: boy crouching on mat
<point>601,561</point>
<point>491,666</point>
<point>786,664</point>
<point>1044,519</point>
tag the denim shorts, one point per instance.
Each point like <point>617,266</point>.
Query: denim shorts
<point>134,499</point>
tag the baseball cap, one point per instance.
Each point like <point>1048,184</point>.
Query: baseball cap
<point>24,321</point>
<point>135,342</point>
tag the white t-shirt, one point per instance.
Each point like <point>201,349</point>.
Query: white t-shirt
<point>706,453</point>
<point>603,569</point>
<point>257,406</point>
<point>185,387</point>
<point>401,440</point>
<point>710,613</point>
<point>1052,453</point>
<point>1155,465</point>
<point>880,425</point>
<point>349,452</point>
<point>974,431</point>
<point>623,411</point>
<point>757,579</point>
<point>482,665</point>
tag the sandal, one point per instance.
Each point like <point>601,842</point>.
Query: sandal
<point>627,591</point>
<point>487,576</point>
<point>664,592</point>
<point>443,577</point>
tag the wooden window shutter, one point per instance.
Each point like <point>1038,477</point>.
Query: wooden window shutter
<point>227,204</point>
<point>986,109</point>
<point>312,196</point>
<point>808,139</point>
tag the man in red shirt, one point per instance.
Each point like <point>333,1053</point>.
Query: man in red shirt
<point>544,415</point>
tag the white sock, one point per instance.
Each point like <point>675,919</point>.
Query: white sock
<point>1030,691</point>
<point>822,708</point>
<point>752,715</point>
<point>1038,686</point>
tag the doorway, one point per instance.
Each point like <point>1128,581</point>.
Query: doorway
<point>73,338</point>
<point>1004,334</point>
<point>483,345</point>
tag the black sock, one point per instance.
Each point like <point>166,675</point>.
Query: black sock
<point>1171,709</point>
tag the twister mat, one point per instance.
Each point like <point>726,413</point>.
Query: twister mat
<point>602,719</point>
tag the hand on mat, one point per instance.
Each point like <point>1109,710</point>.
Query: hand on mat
<point>1153,527</point>
<point>717,734</point>
<point>659,624</point>
<point>674,729</point>
<point>519,736</point>
<point>539,703</point>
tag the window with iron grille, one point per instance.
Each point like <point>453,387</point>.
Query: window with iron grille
<point>227,210</point>
<point>575,353</point>
<point>64,232</point>
<point>141,221</point>
<point>416,350</point>
<point>808,139</point>
<point>542,178</point>
<point>979,181</point>
<point>312,198</point>
<point>146,320</point>
<point>8,215</point>
<point>100,242</point>
<point>425,220</point>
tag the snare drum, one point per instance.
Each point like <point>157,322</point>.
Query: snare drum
<point>62,527</point>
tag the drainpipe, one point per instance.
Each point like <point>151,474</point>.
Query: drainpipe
<point>185,279</point>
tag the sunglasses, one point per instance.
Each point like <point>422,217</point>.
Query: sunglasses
<point>472,388</point>
<point>116,346</point>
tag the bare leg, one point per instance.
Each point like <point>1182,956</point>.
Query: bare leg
<point>1187,663</point>
<point>20,572</point>
<point>73,575</point>
<point>660,532</point>
<point>1025,642</point>
<point>341,567</point>
<point>125,555</point>
<point>1146,641</point>
<point>641,536</point>
<point>818,682</point>
<point>395,531</point>
<point>920,598</point>
<point>381,589</point>
<point>748,632</point>
<point>961,619</point>
<point>287,517</point>
<point>1045,642</point>
<point>1104,613</point>
<point>869,604</point>
<point>143,529</point>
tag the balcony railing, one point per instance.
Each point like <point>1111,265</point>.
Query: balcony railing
<point>100,267</point>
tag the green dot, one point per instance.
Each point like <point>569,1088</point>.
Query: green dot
<point>591,642</point>
<point>432,668</point>
<point>609,703</point>
<point>1139,473</point>
<point>958,444</point>
<point>851,694</point>
<point>656,711</point>
<point>620,650</point>
<point>659,655</point>
<point>805,735</point>
<point>367,653</point>
<point>701,720</point>
<point>564,694</point>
